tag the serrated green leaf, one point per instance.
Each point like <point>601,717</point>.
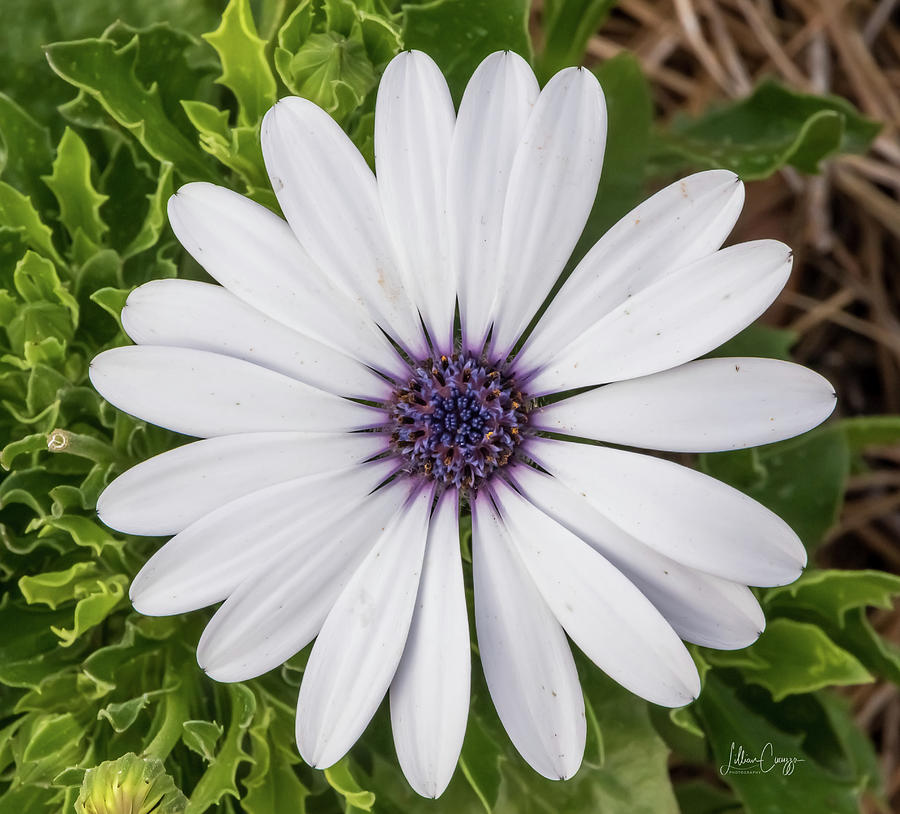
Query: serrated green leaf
<point>219,779</point>
<point>17,212</point>
<point>53,588</point>
<point>96,601</point>
<point>238,148</point>
<point>107,72</point>
<point>201,737</point>
<point>70,182</point>
<point>36,442</point>
<point>832,594</point>
<point>36,280</point>
<point>771,128</point>
<point>272,784</point>
<point>791,658</point>
<point>341,779</point>
<point>155,220</point>
<point>332,52</point>
<point>837,601</point>
<point>439,26</point>
<point>123,714</point>
<point>245,69</point>
<point>111,300</point>
<point>84,532</point>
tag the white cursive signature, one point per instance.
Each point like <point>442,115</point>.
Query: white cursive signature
<point>742,762</point>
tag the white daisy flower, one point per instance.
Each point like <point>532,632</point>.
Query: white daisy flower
<point>348,417</point>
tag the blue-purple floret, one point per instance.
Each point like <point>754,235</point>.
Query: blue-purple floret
<point>457,420</point>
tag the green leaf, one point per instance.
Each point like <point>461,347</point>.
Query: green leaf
<point>201,737</point>
<point>55,587</point>
<point>111,300</point>
<point>341,779</point>
<point>52,734</point>
<point>84,532</point>
<point>123,714</point>
<point>567,26</point>
<point>70,182</point>
<point>832,594</point>
<point>107,73</point>
<point>17,212</point>
<point>245,69</point>
<point>130,784</point>
<point>36,442</point>
<point>802,480</point>
<point>218,780</point>
<point>836,600</point>
<point>791,658</point>
<point>36,280</point>
<point>870,431</point>
<point>332,51</point>
<point>272,784</point>
<point>770,787</point>
<point>759,340</point>
<point>155,220</point>
<point>25,152</point>
<point>700,797</point>
<point>97,601</point>
<point>238,148</point>
<point>771,128</point>
<point>444,30</point>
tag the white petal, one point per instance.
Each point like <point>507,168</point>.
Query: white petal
<point>526,659</point>
<point>704,609</point>
<point>709,405</point>
<point>615,625</point>
<point>204,563</point>
<point>165,494</point>
<point>328,195</point>
<point>678,318</point>
<point>430,692</point>
<point>357,651</point>
<point>276,613</point>
<point>188,314</point>
<point>414,120</point>
<point>684,514</point>
<point>552,186</point>
<point>200,393</point>
<point>254,254</point>
<point>492,117</point>
<point>675,227</point>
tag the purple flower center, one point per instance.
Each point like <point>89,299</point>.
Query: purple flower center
<point>457,420</point>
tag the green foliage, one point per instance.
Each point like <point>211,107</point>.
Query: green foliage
<point>245,70</point>
<point>567,26</point>
<point>333,51</point>
<point>438,27</point>
<point>95,698</point>
<point>771,128</point>
<point>107,71</point>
